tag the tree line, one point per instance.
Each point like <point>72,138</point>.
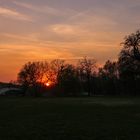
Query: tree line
<point>58,78</point>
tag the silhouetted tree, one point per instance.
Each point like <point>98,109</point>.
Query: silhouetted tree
<point>131,46</point>
<point>86,71</point>
<point>68,80</point>
<point>129,70</point>
<point>31,76</point>
<point>108,76</point>
<point>109,70</point>
<point>129,63</point>
<point>56,67</point>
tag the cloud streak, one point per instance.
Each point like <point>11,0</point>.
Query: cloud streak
<point>40,9</point>
<point>63,29</point>
<point>13,14</point>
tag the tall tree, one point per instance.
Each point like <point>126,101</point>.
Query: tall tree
<point>129,62</point>
<point>108,77</point>
<point>129,58</point>
<point>32,75</point>
<point>131,45</point>
<point>56,67</point>
<point>86,70</point>
<point>68,80</point>
<point>109,70</point>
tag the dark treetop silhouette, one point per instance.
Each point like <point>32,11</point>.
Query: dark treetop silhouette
<point>60,78</point>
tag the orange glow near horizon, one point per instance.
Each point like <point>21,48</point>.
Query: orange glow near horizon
<point>39,30</point>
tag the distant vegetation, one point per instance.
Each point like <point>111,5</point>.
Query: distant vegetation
<point>58,78</point>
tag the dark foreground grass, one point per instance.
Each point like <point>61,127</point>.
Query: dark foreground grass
<point>96,118</point>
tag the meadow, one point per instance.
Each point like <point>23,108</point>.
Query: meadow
<point>95,118</point>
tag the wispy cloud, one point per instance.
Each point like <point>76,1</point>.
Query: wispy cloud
<point>63,29</point>
<point>13,14</point>
<point>43,9</point>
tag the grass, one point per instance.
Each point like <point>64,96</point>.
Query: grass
<point>96,118</point>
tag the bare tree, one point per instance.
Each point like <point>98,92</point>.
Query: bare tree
<point>86,70</point>
<point>56,67</point>
<point>69,80</point>
<point>109,70</point>
<point>132,46</point>
<point>32,75</point>
<point>29,74</point>
<point>129,63</point>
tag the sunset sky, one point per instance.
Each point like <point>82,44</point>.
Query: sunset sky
<point>33,30</point>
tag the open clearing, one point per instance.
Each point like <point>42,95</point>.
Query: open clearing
<point>95,118</point>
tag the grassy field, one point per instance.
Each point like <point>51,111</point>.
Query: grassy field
<point>96,118</point>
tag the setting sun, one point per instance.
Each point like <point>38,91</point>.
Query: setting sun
<point>47,84</point>
<point>68,68</point>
